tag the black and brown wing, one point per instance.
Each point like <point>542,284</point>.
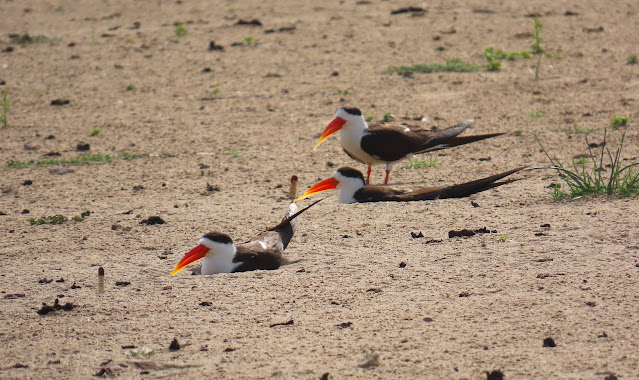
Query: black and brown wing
<point>389,143</point>
<point>264,252</point>
<point>378,194</point>
<point>448,138</point>
<point>462,190</point>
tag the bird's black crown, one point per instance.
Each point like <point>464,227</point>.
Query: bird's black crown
<point>353,111</point>
<point>350,172</point>
<point>219,237</point>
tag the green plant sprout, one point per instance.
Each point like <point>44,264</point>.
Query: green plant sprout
<point>388,117</point>
<point>249,40</point>
<point>180,30</point>
<point>4,104</point>
<point>536,47</point>
<point>631,59</point>
<point>619,121</point>
<point>494,65</point>
<point>415,163</point>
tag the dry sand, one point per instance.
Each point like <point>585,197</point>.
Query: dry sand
<point>243,120</point>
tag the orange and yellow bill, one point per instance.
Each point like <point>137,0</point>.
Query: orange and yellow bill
<point>324,185</point>
<point>194,254</point>
<point>331,128</point>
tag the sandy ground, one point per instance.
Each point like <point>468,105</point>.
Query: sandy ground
<point>243,120</point>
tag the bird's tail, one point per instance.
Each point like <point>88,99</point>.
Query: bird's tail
<point>448,138</point>
<point>286,228</point>
<point>473,187</point>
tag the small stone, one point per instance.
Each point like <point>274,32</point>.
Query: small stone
<point>83,147</point>
<point>371,360</point>
<point>174,346</point>
<point>495,375</point>
<point>153,220</point>
<point>60,102</point>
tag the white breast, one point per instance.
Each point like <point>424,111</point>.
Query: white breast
<point>351,139</point>
<point>219,259</point>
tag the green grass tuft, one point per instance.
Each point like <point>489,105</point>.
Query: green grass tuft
<point>452,65</point>
<point>619,121</point>
<point>494,66</point>
<point>131,156</point>
<point>180,30</point>
<point>83,159</point>
<point>537,114</point>
<point>26,39</point>
<point>497,55</point>
<point>415,163</point>
<point>52,219</point>
<point>577,131</point>
<point>585,176</point>
<point>631,59</point>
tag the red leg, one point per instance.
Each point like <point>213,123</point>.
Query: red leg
<point>368,175</point>
<point>388,168</point>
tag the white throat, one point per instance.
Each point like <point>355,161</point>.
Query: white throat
<point>219,259</point>
<point>347,187</point>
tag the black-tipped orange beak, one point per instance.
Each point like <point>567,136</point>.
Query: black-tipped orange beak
<point>324,185</point>
<point>333,127</point>
<point>194,254</point>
